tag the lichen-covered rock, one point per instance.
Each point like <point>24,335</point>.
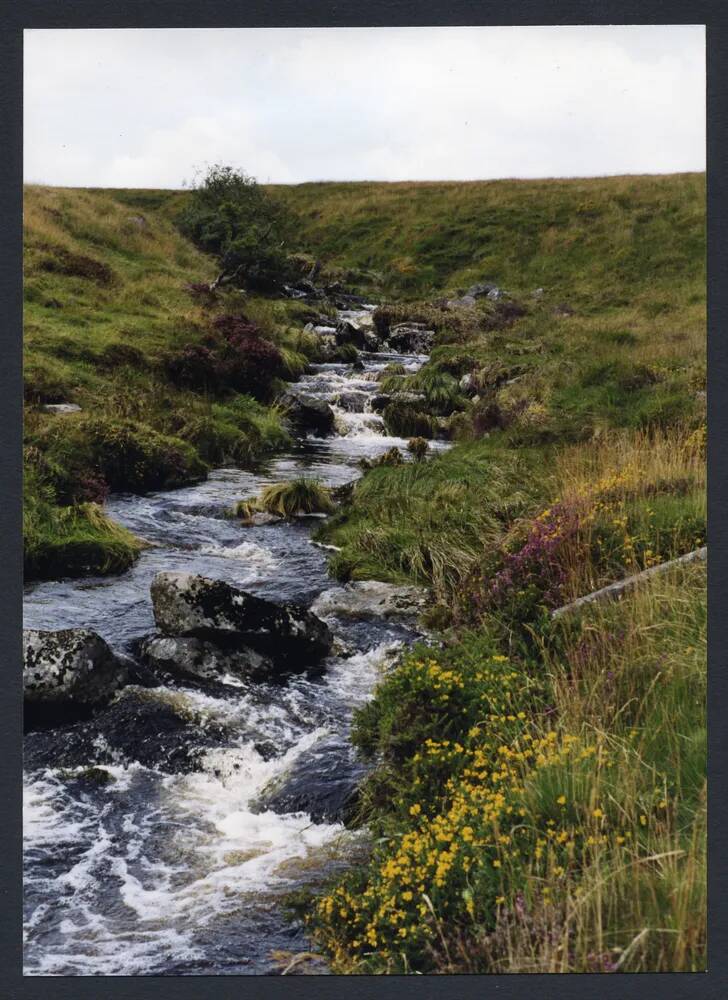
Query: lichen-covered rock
<point>370,599</point>
<point>411,338</point>
<point>212,610</point>
<point>204,661</point>
<point>71,670</point>
<point>484,289</point>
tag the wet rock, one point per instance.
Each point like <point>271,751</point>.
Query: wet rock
<point>322,782</point>
<point>308,413</point>
<point>212,610</point>
<point>67,673</point>
<point>370,599</point>
<point>360,334</point>
<point>139,726</point>
<point>411,338</point>
<point>382,400</point>
<point>61,408</point>
<point>353,401</point>
<point>205,661</point>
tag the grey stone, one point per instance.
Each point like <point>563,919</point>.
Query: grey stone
<point>61,408</point>
<point>68,669</point>
<point>212,610</point>
<point>322,782</point>
<point>200,660</point>
<point>411,338</point>
<point>308,413</point>
<point>370,599</point>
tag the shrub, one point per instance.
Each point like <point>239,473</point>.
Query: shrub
<point>233,356</point>
<point>229,215</point>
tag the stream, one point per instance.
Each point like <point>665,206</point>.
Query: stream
<point>153,873</point>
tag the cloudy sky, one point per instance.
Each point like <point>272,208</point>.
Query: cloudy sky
<point>146,108</point>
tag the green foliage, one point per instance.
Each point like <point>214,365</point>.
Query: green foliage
<point>404,419</point>
<point>429,521</point>
<point>103,344</point>
<point>530,814</point>
<point>230,215</point>
<point>70,540</point>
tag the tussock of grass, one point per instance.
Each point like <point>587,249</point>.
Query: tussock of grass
<point>429,521</point>
<point>301,496</point>
<point>71,540</point>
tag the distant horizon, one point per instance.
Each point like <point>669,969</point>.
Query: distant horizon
<point>423,182</point>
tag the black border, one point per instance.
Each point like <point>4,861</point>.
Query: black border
<point>17,15</point>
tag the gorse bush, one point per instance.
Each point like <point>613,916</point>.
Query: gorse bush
<point>515,833</point>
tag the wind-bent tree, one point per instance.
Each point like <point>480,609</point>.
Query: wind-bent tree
<point>231,216</point>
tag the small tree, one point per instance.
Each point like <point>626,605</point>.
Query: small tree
<point>231,216</point>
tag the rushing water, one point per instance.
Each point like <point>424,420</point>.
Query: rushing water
<point>169,874</point>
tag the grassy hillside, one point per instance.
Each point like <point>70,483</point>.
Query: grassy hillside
<point>590,240</point>
<point>110,320</point>
<point>553,812</point>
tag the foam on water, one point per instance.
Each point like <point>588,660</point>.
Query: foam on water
<point>153,873</point>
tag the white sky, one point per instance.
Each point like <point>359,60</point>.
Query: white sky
<point>145,107</point>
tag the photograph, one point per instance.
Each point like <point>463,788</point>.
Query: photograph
<point>364,501</point>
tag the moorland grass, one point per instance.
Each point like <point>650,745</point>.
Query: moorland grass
<point>108,301</point>
<point>538,797</point>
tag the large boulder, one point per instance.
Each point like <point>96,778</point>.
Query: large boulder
<point>353,401</point>
<point>348,332</point>
<point>216,612</point>
<point>153,728</point>
<point>370,599</point>
<point>67,674</point>
<point>194,659</point>
<point>308,413</point>
<point>411,338</point>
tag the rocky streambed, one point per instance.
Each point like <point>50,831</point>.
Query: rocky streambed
<point>187,762</point>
